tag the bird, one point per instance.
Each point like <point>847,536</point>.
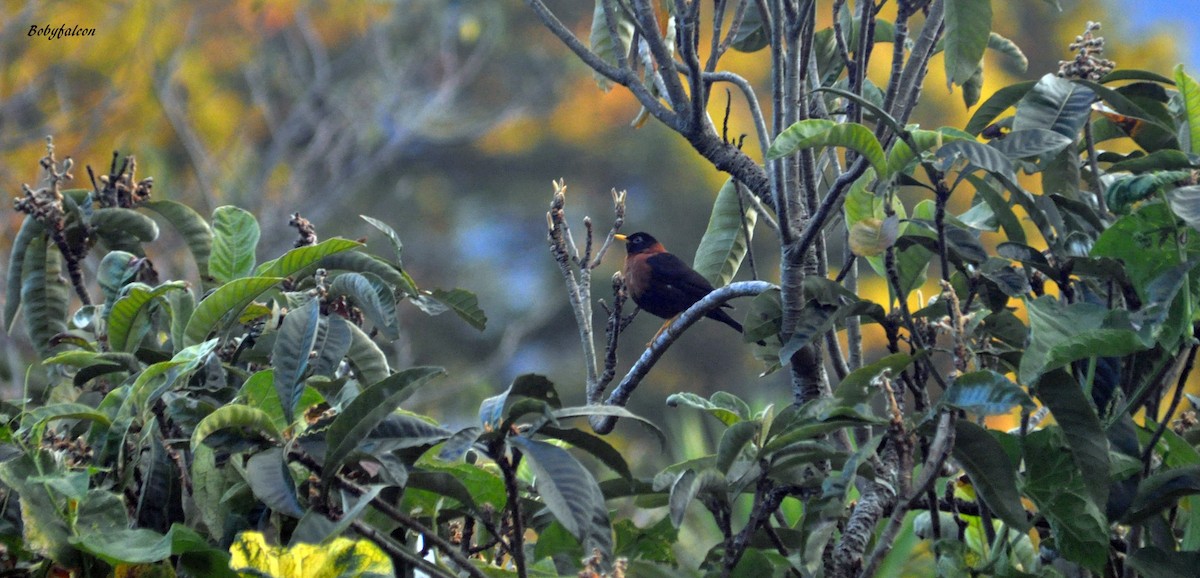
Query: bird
<point>662,284</point>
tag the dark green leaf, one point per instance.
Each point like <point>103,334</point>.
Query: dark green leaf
<point>364,263</point>
<point>996,104</point>
<point>968,26</point>
<point>124,222</point>
<point>977,155</point>
<point>44,295</point>
<point>30,229</point>
<point>986,393</point>
<point>725,243</point>
<point>733,441</point>
<point>367,411</point>
<point>293,345</point>
<point>191,226</point>
<point>127,309</point>
<point>1133,74</point>
<point>465,304</point>
<point>591,444</point>
<point>991,472</point>
<point>269,479</point>
<point>368,361</point>
<point>1031,142</point>
<point>373,297</point>
<point>1162,160</point>
<point>1074,412</point>
<point>1010,49</point>
<point>226,302</point>
<point>570,493</point>
<point>142,546</point>
<point>1062,333</point>
<point>457,445</point>
<point>1057,104</point>
<point>387,230</point>
<point>234,416</point>
<point>1077,524</point>
<point>332,344</point>
<point>604,43</point>
<point>1159,563</point>
<point>752,34</point>
<point>235,238</point>
<point>1163,490</point>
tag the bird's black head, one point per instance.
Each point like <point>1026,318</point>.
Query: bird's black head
<point>640,243</point>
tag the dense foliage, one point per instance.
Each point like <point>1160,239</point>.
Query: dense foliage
<point>248,421</point>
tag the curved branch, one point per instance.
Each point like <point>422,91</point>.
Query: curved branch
<point>620,394</point>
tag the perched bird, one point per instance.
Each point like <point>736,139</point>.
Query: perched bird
<point>662,284</point>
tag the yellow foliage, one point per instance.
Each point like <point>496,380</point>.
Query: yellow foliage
<point>253,556</point>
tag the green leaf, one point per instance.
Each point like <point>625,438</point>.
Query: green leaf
<point>300,258</point>
<point>1134,74</point>
<point>991,472</point>
<point>603,42</point>
<point>977,155</point>
<point>570,493</point>
<point>968,28</point>
<point>1057,104</point>
<point>1163,160</point>
<point>1189,94</point>
<point>986,393</point>
<point>1061,333</point>
<point>727,413</point>
<point>30,230</point>
<point>226,302</point>
<point>1127,190</point>
<point>725,243</point>
<point>819,133</point>
<point>364,263</point>
<point>63,411</point>
<point>143,546</point>
<point>401,431</point>
<point>332,345</point>
<point>373,297</point>
<point>1077,524</point>
<point>493,410</point>
<point>368,361</point>
<point>44,295</point>
<point>116,221</point>
<point>1074,413</point>
<point>1163,490</point>
<point>367,411</point>
<point>1185,203</point>
<point>592,444</point>
<point>996,104</point>
<point>293,347</point>
<point>465,304</point>
<point>235,238</point>
<point>1031,142</point>
<point>127,309</point>
<point>234,416</point>
<point>387,230</point>
<point>752,34</point>
<point>1154,561</point>
<point>269,479</point>
<point>190,225</point>
<point>1009,49</point>
<point>733,441</point>
<point>1001,208</point>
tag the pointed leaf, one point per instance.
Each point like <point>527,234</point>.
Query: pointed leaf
<point>725,243</point>
<point>991,472</point>
<point>44,295</point>
<point>996,104</point>
<point>570,493</point>
<point>1189,94</point>
<point>968,27</point>
<point>366,358</point>
<point>30,229</point>
<point>592,444</point>
<point>1163,490</point>
<point>235,238</point>
<point>124,222</point>
<point>1078,525</point>
<point>127,309</point>
<point>301,258</point>
<point>986,393</point>
<point>733,441</point>
<point>190,225</point>
<point>387,230</point>
<point>293,345</point>
<point>819,133</point>
<point>373,297</point>
<point>228,300</point>
<point>234,416</point>
<point>367,411</point>
<point>1057,104</point>
<point>332,345</point>
<point>465,304</point>
<point>1031,142</point>
<point>269,479</point>
<point>603,42</point>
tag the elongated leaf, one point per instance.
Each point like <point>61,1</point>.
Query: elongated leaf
<point>251,555</point>
<point>1163,490</point>
<point>315,528</point>
<point>44,295</point>
<point>592,444</point>
<point>300,258</point>
<point>1056,486</point>
<point>1031,142</point>
<point>991,472</point>
<point>228,300</point>
<point>64,411</point>
<point>465,304</point>
<point>190,225</point>
<point>996,104</point>
<point>1057,104</point>
<point>400,431</point>
<point>570,493</point>
<point>1009,49</point>
<point>1085,436</point>
<point>603,42</point>
<point>373,297</point>
<point>387,230</point>
<point>293,345</point>
<point>1061,333</point>
<point>1189,93</point>
<point>819,132</point>
<point>367,411</point>
<point>968,27</point>
<point>30,229</point>
<point>1154,561</point>
<point>986,393</point>
<point>119,221</point>
<point>332,345</point>
<point>725,243</point>
<point>977,155</point>
<point>126,310</point>
<point>364,263</point>
<point>235,238</point>
<point>368,361</point>
<point>683,491</point>
<point>269,479</point>
<point>234,416</point>
<point>733,441</point>
<point>143,546</point>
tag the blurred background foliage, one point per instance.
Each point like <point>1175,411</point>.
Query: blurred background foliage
<point>446,119</point>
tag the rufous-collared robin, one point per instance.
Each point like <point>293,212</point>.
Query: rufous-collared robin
<point>662,284</point>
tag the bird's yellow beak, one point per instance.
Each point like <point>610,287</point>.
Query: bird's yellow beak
<point>620,237</point>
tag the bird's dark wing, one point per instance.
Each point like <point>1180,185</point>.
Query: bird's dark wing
<point>667,269</point>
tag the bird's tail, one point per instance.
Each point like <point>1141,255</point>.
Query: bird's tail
<point>724,317</point>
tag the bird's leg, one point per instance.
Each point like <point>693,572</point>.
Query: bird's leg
<point>665,324</point>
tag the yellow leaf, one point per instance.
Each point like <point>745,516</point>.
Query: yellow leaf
<point>251,555</point>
